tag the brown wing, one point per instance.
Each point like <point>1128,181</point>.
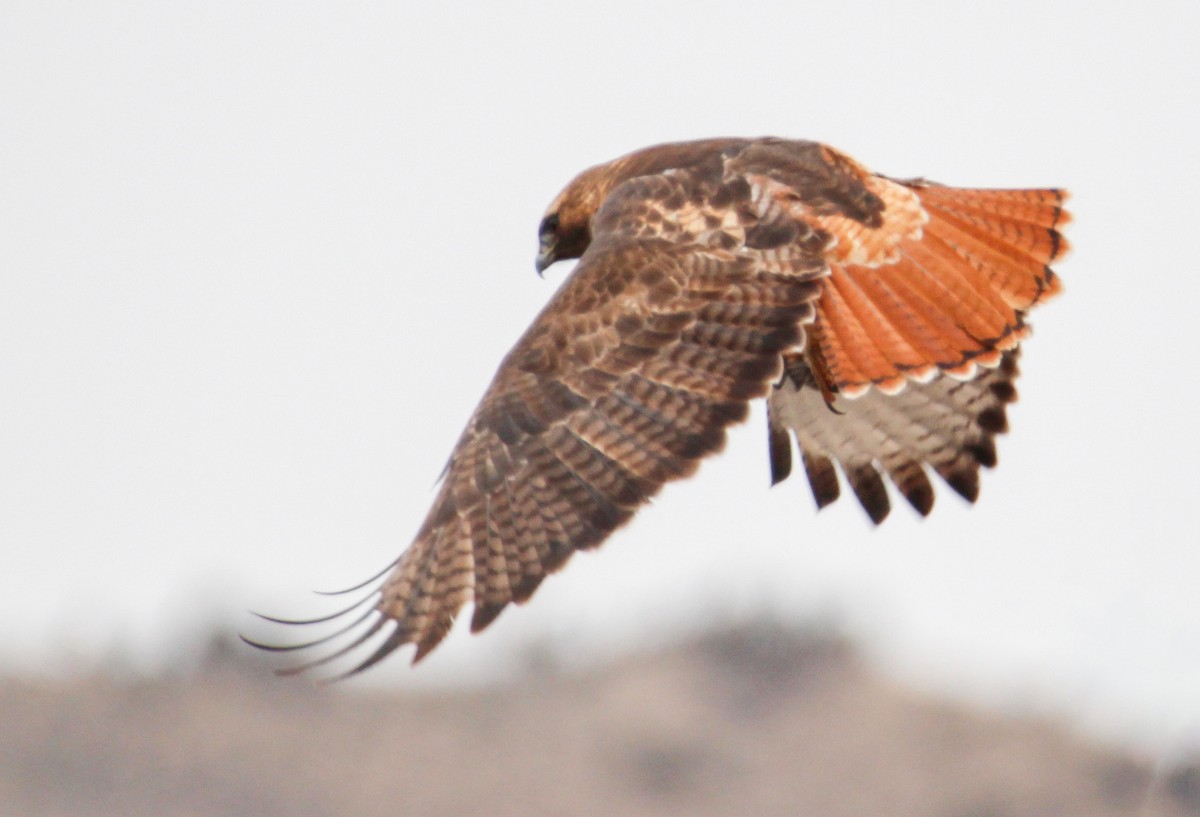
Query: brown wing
<point>675,317</point>
<point>946,423</point>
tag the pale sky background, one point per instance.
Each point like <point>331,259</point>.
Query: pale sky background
<point>259,260</point>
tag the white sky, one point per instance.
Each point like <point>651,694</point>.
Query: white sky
<point>259,260</point>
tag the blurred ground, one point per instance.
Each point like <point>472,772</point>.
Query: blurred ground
<point>759,721</point>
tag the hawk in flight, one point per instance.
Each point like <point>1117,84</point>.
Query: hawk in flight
<point>879,317</point>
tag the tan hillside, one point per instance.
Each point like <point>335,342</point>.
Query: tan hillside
<point>754,722</point>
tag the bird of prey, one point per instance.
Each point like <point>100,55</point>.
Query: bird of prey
<point>879,317</point>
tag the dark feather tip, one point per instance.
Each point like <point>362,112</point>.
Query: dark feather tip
<point>921,497</point>
<point>779,445</point>
<point>965,484</point>
<point>485,614</point>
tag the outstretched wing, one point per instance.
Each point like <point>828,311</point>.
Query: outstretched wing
<point>676,316</point>
<point>945,424</point>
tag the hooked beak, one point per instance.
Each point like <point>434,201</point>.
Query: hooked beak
<point>545,257</point>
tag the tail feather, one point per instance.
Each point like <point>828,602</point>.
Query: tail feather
<point>905,312</point>
<point>1043,208</point>
<point>1015,274</point>
<point>885,351</point>
<point>940,258</point>
<point>841,337</point>
<point>959,294</point>
<point>1041,243</point>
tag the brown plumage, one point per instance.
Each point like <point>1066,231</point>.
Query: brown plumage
<point>879,317</point>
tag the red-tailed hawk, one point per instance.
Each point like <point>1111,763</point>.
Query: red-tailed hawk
<point>879,317</point>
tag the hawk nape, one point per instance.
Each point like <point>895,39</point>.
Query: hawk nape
<point>880,318</point>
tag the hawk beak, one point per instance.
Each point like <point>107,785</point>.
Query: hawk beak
<point>545,258</point>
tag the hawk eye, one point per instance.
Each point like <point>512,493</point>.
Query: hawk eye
<point>549,224</point>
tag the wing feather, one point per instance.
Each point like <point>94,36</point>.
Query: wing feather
<point>628,378</point>
<point>945,424</point>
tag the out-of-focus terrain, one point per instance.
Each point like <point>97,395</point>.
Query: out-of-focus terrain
<point>758,721</point>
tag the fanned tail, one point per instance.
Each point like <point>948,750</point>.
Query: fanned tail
<point>955,297</point>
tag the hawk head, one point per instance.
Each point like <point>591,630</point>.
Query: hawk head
<point>566,229</point>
